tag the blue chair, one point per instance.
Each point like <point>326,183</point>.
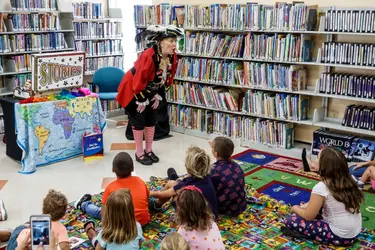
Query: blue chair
<point>108,79</point>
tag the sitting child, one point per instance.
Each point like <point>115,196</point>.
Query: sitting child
<point>337,193</point>
<point>195,220</point>
<point>197,165</point>
<point>54,204</point>
<point>123,167</point>
<point>119,228</point>
<point>228,178</point>
<point>368,175</point>
<point>174,241</point>
<point>363,172</point>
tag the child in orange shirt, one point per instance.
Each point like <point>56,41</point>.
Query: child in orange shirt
<point>122,166</point>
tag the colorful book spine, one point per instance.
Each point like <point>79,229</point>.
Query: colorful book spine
<point>34,22</point>
<point>97,48</point>
<point>93,64</point>
<point>358,116</point>
<point>37,42</point>
<point>88,10</point>
<point>34,5</point>
<point>97,30</point>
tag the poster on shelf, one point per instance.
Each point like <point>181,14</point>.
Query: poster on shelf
<point>54,71</point>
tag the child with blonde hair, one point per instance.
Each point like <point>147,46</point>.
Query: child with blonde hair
<point>196,221</point>
<point>119,227</point>
<point>174,241</point>
<point>197,163</point>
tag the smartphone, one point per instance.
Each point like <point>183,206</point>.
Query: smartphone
<point>40,231</point>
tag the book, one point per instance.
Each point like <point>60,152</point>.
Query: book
<point>88,10</point>
<point>362,150</point>
<point>98,48</point>
<point>344,20</point>
<point>323,138</point>
<point>93,64</point>
<point>358,116</point>
<point>84,30</point>
<point>92,146</point>
<point>34,5</point>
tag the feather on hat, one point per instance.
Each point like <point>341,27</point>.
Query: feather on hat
<point>154,33</point>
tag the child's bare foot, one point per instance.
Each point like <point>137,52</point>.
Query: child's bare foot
<point>90,229</point>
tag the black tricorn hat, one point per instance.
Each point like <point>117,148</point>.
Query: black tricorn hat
<point>155,33</point>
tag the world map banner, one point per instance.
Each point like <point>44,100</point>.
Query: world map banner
<point>49,132</point>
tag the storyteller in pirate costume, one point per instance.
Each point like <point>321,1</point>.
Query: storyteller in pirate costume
<point>143,87</point>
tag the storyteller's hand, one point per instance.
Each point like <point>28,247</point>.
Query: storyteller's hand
<point>157,98</point>
<point>142,106</point>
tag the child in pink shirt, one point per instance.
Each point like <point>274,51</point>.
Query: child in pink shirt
<point>54,204</point>
<point>196,221</point>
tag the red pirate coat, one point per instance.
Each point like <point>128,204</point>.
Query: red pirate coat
<point>134,82</point>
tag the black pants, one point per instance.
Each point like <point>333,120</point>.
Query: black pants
<point>141,120</point>
<point>162,127</point>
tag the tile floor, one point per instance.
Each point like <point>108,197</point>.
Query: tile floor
<point>23,194</point>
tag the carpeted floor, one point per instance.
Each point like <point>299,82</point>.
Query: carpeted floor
<point>283,179</point>
<point>257,228</point>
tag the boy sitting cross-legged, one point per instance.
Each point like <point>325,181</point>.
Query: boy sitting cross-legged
<point>122,166</point>
<point>228,178</point>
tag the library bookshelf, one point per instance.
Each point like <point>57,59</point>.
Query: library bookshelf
<point>98,32</point>
<point>335,28</point>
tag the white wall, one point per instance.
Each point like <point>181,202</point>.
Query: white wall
<point>129,46</point>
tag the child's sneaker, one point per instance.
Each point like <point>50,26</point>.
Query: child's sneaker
<point>359,182</point>
<point>172,174</point>
<point>82,199</point>
<point>3,211</point>
<point>153,206</point>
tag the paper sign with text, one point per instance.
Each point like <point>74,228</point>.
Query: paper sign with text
<point>55,71</point>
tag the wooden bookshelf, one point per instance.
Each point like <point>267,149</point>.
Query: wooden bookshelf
<point>12,68</point>
<point>326,110</point>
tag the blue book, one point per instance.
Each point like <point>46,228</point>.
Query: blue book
<point>93,147</point>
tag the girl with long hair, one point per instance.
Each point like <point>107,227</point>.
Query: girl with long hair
<point>119,227</point>
<point>338,196</point>
<point>196,221</point>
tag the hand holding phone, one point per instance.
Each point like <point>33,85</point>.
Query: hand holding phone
<point>40,226</point>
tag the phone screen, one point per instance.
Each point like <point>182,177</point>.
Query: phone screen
<point>40,232</point>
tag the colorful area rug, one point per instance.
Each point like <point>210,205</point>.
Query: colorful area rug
<point>283,179</point>
<point>257,228</point>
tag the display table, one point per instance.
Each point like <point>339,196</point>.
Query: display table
<point>49,132</point>
<point>12,149</point>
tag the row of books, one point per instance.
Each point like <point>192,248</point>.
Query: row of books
<point>279,47</point>
<point>33,5</point>
<point>356,149</point>
<point>268,132</point>
<point>350,21</point>
<point>95,48</point>
<point>4,44</point>
<point>93,64</point>
<point>210,44</point>
<point>162,14</point>
<point>215,16</point>
<point>20,80</point>
<point>347,84</point>
<point>33,22</point>
<point>37,42</point>
<point>283,106</point>
<point>88,10</point>
<point>358,116</point>
<point>22,62</point>
<point>205,96</point>
<point>110,105</point>
<point>252,130</point>
<point>281,16</point>
<point>275,76</point>
<point>97,30</point>
<point>348,53</point>
<point>210,70</point>
<point>190,118</point>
